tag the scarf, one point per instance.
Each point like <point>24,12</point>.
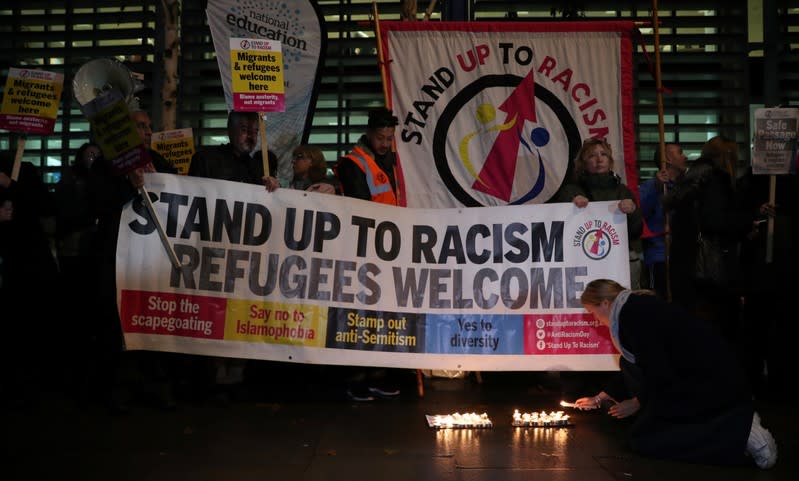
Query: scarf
<point>615,310</point>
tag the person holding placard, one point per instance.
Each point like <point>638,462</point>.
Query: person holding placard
<point>593,180</point>
<point>706,202</point>
<point>235,161</point>
<point>768,333</point>
<point>120,370</point>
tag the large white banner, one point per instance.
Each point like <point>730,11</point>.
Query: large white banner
<point>494,113</point>
<point>299,27</point>
<point>314,278</point>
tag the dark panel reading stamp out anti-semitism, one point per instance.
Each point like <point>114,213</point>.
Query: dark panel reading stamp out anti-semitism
<point>375,331</point>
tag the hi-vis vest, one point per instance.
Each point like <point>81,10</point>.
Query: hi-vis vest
<point>377,180</point>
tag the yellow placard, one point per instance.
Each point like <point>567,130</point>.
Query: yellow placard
<point>29,92</point>
<point>257,75</point>
<point>114,130</point>
<point>176,146</point>
<point>30,100</point>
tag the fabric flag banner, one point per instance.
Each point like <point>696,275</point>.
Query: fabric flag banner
<point>313,278</point>
<point>299,27</point>
<point>494,113</point>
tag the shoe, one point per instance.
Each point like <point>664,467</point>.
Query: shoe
<point>359,397</point>
<point>761,445</point>
<point>384,392</point>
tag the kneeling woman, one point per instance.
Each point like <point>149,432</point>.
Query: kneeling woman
<point>695,403</point>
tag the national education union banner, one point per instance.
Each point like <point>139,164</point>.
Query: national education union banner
<point>314,278</point>
<point>299,27</point>
<point>493,113</point>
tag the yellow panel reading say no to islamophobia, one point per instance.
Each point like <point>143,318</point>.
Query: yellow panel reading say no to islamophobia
<point>256,67</point>
<point>276,323</point>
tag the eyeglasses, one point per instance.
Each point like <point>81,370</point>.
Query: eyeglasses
<point>299,156</point>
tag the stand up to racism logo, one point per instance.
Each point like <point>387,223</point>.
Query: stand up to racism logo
<point>495,117</point>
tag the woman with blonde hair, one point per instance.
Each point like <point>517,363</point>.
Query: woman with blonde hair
<point>595,180</point>
<point>695,406</point>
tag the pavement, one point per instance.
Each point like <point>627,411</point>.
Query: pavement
<point>295,424</point>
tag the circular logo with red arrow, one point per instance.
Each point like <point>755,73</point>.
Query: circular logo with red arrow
<point>596,244</point>
<point>515,142</point>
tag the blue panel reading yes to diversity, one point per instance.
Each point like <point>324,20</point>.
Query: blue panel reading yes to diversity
<point>474,334</point>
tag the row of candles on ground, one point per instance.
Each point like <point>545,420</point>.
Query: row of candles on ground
<point>458,420</point>
<point>540,419</point>
<point>474,420</point>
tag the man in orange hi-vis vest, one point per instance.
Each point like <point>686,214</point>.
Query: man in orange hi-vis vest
<point>367,172</point>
